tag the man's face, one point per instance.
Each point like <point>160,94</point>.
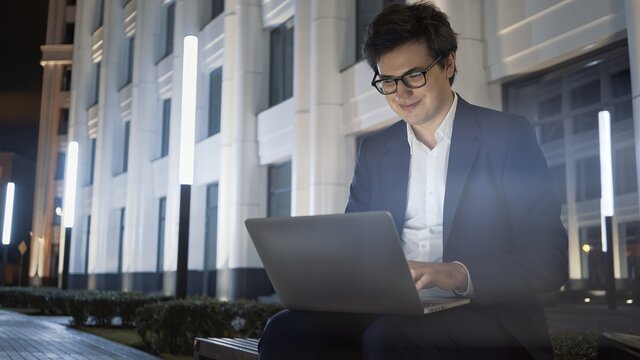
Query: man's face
<point>425,105</point>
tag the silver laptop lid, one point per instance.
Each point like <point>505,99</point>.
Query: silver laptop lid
<point>343,262</point>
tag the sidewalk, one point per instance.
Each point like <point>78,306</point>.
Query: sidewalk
<point>28,338</point>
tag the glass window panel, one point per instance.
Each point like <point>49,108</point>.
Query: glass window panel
<point>69,31</point>
<point>585,122</point>
<point>550,131</point>
<point>281,63</point>
<point>560,182</point>
<point>621,83</point>
<point>211,226</point>
<point>629,235</point>
<point>166,125</point>
<point>625,172</point>
<point>217,7</point>
<point>549,107</point>
<point>215,101</point>
<point>162,216</point>
<point>63,127</point>
<point>125,155</point>
<point>585,94</point>
<point>60,166</point>
<point>93,160</point>
<point>66,78</point>
<point>588,179</point>
<point>86,248</point>
<point>171,9</point>
<point>280,190</point>
<point>593,259</point>
<point>623,111</point>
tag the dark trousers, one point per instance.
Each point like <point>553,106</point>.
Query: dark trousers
<point>459,333</point>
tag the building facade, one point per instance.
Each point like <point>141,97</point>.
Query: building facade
<point>283,96</point>
<point>52,139</point>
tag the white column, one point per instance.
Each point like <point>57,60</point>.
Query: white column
<point>103,252</point>
<point>241,178</point>
<point>328,173</point>
<point>81,82</point>
<point>300,198</point>
<point>632,8</point>
<point>140,248</point>
<point>466,18</point>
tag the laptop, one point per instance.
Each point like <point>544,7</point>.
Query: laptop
<point>340,263</point>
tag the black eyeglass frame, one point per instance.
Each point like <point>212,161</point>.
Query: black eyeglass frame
<point>424,72</point>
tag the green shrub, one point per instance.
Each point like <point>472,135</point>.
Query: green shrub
<point>171,326</point>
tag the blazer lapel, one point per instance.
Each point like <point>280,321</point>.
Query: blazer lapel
<point>462,154</point>
<point>394,168</point>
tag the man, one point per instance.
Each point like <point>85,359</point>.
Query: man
<point>472,197</point>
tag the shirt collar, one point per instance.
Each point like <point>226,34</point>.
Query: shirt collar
<point>443,132</point>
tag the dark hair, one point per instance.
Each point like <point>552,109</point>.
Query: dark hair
<point>398,24</point>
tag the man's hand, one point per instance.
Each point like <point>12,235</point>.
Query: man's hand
<point>446,276</point>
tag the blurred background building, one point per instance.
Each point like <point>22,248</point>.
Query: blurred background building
<point>283,96</point>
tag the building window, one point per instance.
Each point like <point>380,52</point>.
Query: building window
<point>560,181</point>
<point>625,175</point>
<point>120,239</point>
<point>60,166</point>
<point>366,10</point>
<point>122,151</point>
<point>281,63</point>
<point>211,235</point>
<point>99,15</point>
<point>215,101</point>
<point>92,160</point>
<point>211,9</point>
<point>125,155</point>
<point>87,236</point>
<point>162,220</point>
<point>69,31</point>
<point>166,127</point>
<point>66,78</point>
<point>169,27</point>
<point>57,210</point>
<point>127,73</point>
<point>63,126</point>
<point>588,179</point>
<point>279,202</point>
<point>629,234</point>
<point>95,82</point>
<point>593,259</point>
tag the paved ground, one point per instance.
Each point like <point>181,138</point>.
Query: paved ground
<point>28,338</point>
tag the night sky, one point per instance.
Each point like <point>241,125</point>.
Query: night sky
<point>23,26</point>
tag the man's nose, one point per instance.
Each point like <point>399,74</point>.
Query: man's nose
<point>403,92</point>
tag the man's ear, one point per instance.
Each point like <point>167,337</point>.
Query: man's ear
<point>450,65</point>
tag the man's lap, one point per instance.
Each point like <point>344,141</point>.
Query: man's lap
<point>451,333</point>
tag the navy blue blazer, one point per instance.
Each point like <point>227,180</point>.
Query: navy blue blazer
<point>501,213</point>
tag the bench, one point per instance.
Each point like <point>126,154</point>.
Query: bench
<point>225,349</point>
<point>618,346</point>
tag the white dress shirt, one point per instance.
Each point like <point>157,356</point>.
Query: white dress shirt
<point>422,235</point>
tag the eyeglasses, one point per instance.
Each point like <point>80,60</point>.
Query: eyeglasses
<point>412,79</point>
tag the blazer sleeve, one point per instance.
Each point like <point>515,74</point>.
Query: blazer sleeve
<point>360,190</point>
<point>537,261</point>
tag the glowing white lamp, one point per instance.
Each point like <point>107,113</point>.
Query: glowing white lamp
<point>70,182</point>
<point>188,118</point>
<point>606,172</point>
<point>8,214</point>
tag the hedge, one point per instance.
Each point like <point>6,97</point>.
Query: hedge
<point>101,306</point>
<point>172,326</point>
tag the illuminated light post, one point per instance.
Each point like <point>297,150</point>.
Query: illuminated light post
<point>606,204</point>
<point>187,149</point>
<point>68,208</point>
<point>6,228</point>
